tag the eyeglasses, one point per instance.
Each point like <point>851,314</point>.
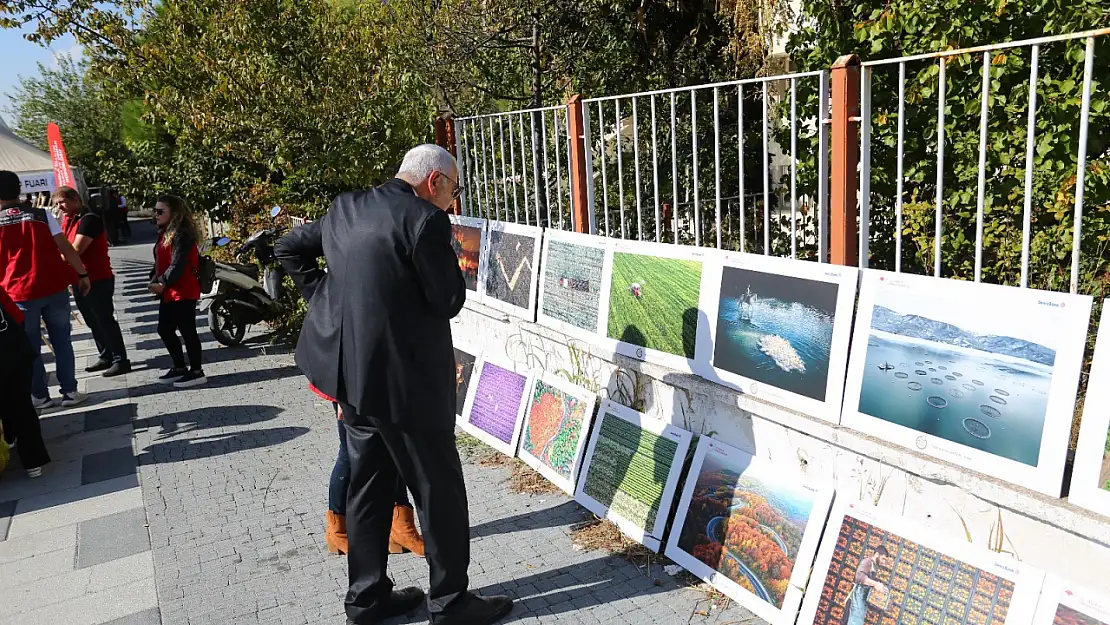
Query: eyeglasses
<point>457,191</point>
<point>160,211</point>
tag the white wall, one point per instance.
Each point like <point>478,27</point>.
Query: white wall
<point>1042,531</point>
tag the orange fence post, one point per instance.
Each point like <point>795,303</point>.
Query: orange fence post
<point>445,138</point>
<point>579,199</point>
<point>843,213</point>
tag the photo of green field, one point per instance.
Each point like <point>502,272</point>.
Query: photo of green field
<point>653,302</point>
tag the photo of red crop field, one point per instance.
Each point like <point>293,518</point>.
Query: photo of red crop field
<point>923,586</point>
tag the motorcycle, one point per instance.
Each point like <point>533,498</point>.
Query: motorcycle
<point>238,298</point>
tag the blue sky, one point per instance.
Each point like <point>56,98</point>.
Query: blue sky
<point>21,58</point>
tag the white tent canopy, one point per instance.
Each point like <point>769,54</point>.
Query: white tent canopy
<point>34,167</point>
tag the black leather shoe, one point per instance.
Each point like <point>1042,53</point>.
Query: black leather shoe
<point>475,610</point>
<point>400,602</point>
<point>99,365</point>
<point>118,368</point>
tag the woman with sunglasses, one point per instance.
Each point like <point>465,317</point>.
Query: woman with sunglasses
<point>174,281</point>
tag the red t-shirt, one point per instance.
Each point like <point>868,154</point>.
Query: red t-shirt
<point>187,287</point>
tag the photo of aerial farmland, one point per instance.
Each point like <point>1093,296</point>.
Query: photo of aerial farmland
<point>653,302</point>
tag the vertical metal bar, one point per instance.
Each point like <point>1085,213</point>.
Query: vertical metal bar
<point>939,232</point>
<point>823,170</point>
<point>766,179</point>
<point>464,171</point>
<point>865,168</point>
<point>570,174</point>
<point>1030,145</point>
<point>496,204</point>
<point>697,193</point>
<point>636,162</point>
<point>655,168</point>
<point>717,156</point>
<point>523,168</point>
<point>901,160</point>
<point>674,167</point>
<point>546,170</point>
<point>620,166</point>
<point>485,169</point>
<point>740,166</point>
<point>504,165</point>
<point>512,159</point>
<point>981,200</point>
<point>535,166</point>
<point>793,168</point>
<point>604,163</point>
<point>558,167</point>
<point>1081,165</point>
<point>587,153</point>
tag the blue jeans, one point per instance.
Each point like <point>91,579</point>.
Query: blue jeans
<point>54,311</point>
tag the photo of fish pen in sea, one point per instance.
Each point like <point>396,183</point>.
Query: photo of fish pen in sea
<point>776,330</point>
<point>963,371</point>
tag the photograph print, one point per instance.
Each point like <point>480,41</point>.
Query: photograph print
<point>874,570</point>
<point>776,330</point>
<point>511,266</point>
<point>555,426</point>
<point>1063,603</point>
<point>571,286</point>
<point>1090,478</point>
<point>467,243</point>
<point>967,371</point>
<point>653,302</point>
<point>464,371</point>
<point>749,528</point>
<point>495,405</point>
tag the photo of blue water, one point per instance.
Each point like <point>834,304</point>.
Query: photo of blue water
<point>776,330</point>
<point>993,403</point>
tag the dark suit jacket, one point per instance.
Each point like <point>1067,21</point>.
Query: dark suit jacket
<point>378,331</point>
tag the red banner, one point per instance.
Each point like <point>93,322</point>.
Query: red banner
<point>62,175</point>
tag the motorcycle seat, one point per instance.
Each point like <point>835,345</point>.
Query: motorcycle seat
<point>249,269</point>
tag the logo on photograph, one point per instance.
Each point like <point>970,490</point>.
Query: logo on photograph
<point>1052,304</point>
<point>754,390</point>
<point>922,442</point>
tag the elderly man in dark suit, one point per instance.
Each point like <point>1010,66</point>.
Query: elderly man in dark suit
<point>378,338</point>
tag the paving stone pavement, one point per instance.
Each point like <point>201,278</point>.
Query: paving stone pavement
<point>234,486</point>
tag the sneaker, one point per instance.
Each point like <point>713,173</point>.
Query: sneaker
<point>42,403</point>
<point>173,375</point>
<point>99,365</point>
<point>117,368</point>
<point>191,379</point>
<point>72,399</point>
<point>35,472</point>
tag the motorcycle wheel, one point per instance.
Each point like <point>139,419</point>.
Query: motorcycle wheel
<point>226,329</point>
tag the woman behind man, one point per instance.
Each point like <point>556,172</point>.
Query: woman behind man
<point>174,281</point>
<point>86,232</point>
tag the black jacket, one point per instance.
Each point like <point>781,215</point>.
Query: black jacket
<point>378,331</point>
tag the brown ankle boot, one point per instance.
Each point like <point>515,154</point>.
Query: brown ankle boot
<point>404,537</point>
<point>336,535</point>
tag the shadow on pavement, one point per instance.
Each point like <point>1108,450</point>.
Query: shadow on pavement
<point>564,514</point>
<point>166,428</point>
<point>221,380</point>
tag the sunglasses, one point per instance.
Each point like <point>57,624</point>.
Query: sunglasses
<point>160,211</point>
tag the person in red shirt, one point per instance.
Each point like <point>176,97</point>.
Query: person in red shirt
<point>174,281</point>
<point>85,231</point>
<point>37,267</point>
<point>20,420</point>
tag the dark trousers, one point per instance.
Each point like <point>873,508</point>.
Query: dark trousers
<point>341,477</point>
<point>175,318</point>
<point>428,462</point>
<point>21,422</point>
<point>99,314</point>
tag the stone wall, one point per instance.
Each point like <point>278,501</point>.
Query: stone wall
<point>1045,532</point>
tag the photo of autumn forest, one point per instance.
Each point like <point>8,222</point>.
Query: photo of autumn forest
<point>747,525</point>
<point>1069,616</point>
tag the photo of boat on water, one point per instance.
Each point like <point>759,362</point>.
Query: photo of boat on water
<point>964,371</point>
<point>776,330</point>
<point>742,526</point>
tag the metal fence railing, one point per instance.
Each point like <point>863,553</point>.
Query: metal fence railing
<point>516,166</point>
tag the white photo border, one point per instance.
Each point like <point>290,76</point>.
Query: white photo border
<point>509,449</point>
<point>1093,429</point>
<point>536,233</point>
<point>583,240</point>
<point>648,537</point>
<point>1027,580</point>
<point>471,349</point>
<point>845,278</point>
<point>807,551</point>
<point>637,352</point>
<point>573,390</point>
<point>1058,592</point>
<point>475,296</point>
<point>1047,477</point>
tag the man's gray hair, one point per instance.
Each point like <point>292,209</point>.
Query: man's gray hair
<point>422,160</point>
